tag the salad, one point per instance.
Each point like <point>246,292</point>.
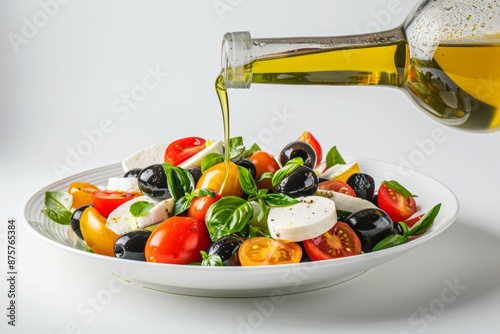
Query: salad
<point>184,203</point>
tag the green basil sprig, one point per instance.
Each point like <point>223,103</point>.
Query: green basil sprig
<point>179,180</point>
<point>210,160</point>
<point>183,203</point>
<point>290,166</point>
<point>333,157</point>
<point>140,208</point>
<point>228,215</point>
<point>57,206</point>
<point>422,226</point>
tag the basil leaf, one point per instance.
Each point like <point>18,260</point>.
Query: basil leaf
<point>333,157</point>
<point>236,147</point>
<point>62,217</point>
<point>141,208</point>
<point>266,175</point>
<point>182,204</point>
<point>425,222</point>
<point>210,260</point>
<point>210,160</point>
<point>288,168</point>
<point>179,181</point>
<point>279,199</point>
<point>58,200</point>
<point>254,148</point>
<point>228,215</point>
<point>57,206</point>
<point>390,241</point>
<point>246,181</point>
<point>394,185</point>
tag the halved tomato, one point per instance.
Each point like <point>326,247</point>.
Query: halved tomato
<point>339,241</point>
<point>397,206</point>
<point>106,201</point>
<point>82,193</point>
<point>182,149</point>
<point>338,186</point>
<point>311,140</point>
<point>260,251</point>
<point>96,233</point>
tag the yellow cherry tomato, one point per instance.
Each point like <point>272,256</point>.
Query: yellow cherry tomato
<point>96,234</point>
<point>213,179</point>
<point>82,193</point>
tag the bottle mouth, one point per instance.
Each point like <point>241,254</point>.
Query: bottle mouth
<point>236,56</point>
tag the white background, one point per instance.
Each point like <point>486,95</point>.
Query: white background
<point>64,77</point>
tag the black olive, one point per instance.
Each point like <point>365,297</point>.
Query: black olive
<point>342,215</point>
<point>152,182</point>
<point>301,182</point>
<point>374,200</point>
<point>133,172</point>
<point>398,229</point>
<point>249,166</point>
<point>196,172</point>
<point>371,226</point>
<point>75,220</point>
<point>363,185</point>
<point>131,245</point>
<point>227,248</point>
<point>298,149</point>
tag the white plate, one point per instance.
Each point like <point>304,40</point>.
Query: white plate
<point>247,281</point>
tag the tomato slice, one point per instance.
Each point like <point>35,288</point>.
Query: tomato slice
<point>259,251</point>
<point>309,138</point>
<point>177,240</point>
<point>182,149</point>
<point>82,192</point>
<point>106,201</point>
<point>339,241</point>
<point>397,206</point>
<point>338,186</point>
<point>96,233</point>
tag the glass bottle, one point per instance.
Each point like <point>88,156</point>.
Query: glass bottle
<point>445,56</point>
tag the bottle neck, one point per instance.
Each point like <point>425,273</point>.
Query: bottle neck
<point>369,59</point>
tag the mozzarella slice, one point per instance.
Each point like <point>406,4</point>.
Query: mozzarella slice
<point>345,202</point>
<point>195,160</point>
<point>126,184</point>
<point>147,156</point>
<point>311,217</point>
<point>122,221</point>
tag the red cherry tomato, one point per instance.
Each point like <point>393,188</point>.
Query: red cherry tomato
<point>106,201</point>
<point>259,251</point>
<point>338,186</point>
<point>180,150</point>
<point>264,162</point>
<point>309,138</point>
<point>397,206</point>
<point>199,207</point>
<point>339,241</point>
<point>177,240</point>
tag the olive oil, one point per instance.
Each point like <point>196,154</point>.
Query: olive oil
<point>460,85</point>
<point>220,88</point>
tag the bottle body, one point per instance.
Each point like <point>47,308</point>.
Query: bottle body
<point>455,80</point>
